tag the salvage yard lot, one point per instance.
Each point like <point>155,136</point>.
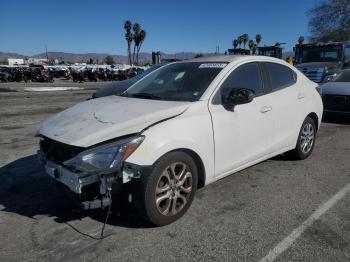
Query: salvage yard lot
<point>239,218</point>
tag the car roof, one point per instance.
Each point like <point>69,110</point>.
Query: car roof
<point>233,58</point>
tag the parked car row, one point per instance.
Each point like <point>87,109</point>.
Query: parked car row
<point>103,74</point>
<point>25,74</point>
<point>116,88</point>
<point>77,74</point>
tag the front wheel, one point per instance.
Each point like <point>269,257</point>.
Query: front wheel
<point>165,194</point>
<point>306,139</point>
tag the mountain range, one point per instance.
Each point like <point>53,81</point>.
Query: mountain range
<point>97,57</point>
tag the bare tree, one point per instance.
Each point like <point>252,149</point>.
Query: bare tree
<point>330,21</point>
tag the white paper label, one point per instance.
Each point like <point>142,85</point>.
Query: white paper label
<point>213,65</point>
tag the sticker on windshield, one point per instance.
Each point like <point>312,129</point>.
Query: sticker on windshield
<point>213,65</point>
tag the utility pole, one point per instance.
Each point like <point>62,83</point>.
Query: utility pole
<point>47,57</point>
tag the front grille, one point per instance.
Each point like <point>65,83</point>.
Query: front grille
<point>314,74</point>
<point>336,102</point>
<point>58,152</point>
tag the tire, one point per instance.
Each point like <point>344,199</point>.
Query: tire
<point>306,140</point>
<point>172,200</point>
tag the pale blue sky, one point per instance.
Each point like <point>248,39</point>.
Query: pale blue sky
<point>172,26</point>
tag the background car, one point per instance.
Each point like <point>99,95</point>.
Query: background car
<point>336,95</point>
<point>118,87</point>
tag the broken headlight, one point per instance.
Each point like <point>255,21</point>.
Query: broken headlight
<point>105,158</point>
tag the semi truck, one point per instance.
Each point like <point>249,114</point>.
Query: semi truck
<point>321,62</point>
<point>273,51</point>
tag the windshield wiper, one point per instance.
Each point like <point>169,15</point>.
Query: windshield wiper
<point>123,94</point>
<point>145,95</point>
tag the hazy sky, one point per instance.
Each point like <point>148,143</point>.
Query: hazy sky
<point>172,26</point>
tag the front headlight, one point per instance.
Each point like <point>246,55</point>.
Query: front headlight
<point>329,77</point>
<point>105,158</point>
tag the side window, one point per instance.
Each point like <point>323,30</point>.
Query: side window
<point>347,53</point>
<point>281,76</point>
<point>246,76</point>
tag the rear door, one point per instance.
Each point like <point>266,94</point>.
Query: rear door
<point>287,97</point>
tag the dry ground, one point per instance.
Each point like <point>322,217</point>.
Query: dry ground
<point>239,218</point>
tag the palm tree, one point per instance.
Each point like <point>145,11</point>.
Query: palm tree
<point>136,37</point>
<point>141,40</point>
<point>251,45</point>
<point>258,39</point>
<point>301,40</point>
<point>240,40</point>
<point>235,43</point>
<point>128,37</point>
<point>255,48</point>
<point>245,39</point>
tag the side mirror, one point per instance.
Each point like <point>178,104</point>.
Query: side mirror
<point>237,97</point>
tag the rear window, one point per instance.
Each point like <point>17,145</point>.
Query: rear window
<point>281,76</point>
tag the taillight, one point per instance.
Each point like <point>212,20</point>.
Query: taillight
<point>319,89</point>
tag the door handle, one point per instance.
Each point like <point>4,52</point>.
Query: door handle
<point>265,109</point>
<point>301,95</point>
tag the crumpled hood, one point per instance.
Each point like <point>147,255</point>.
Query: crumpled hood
<point>97,120</point>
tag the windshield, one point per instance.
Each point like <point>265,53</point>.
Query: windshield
<point>146,72</point>
<point>185,81</point>
<point>319,54</point>
<point>344,76</point>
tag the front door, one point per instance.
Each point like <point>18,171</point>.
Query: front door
<point>242,135</point>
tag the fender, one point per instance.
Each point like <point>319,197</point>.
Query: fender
<point>166,136</point>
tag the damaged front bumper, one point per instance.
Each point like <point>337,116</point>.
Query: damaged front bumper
<point>72,180</point>
<point>87,190</point>
<point>90,191</point>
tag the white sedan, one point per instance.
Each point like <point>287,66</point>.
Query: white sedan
<point>184,126</point>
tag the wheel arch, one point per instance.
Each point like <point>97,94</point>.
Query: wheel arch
<point>314,117</point>
<point>199,163</point>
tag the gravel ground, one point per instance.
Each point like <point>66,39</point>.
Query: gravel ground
<point>239,218</point>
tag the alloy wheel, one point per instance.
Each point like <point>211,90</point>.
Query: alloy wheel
<point>307,138</point>
<point>173,189</point>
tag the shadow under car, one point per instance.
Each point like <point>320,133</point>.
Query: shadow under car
<point>26,190</point>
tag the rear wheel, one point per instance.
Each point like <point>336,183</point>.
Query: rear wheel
<point>306,140</point>
<point>166,193</point>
